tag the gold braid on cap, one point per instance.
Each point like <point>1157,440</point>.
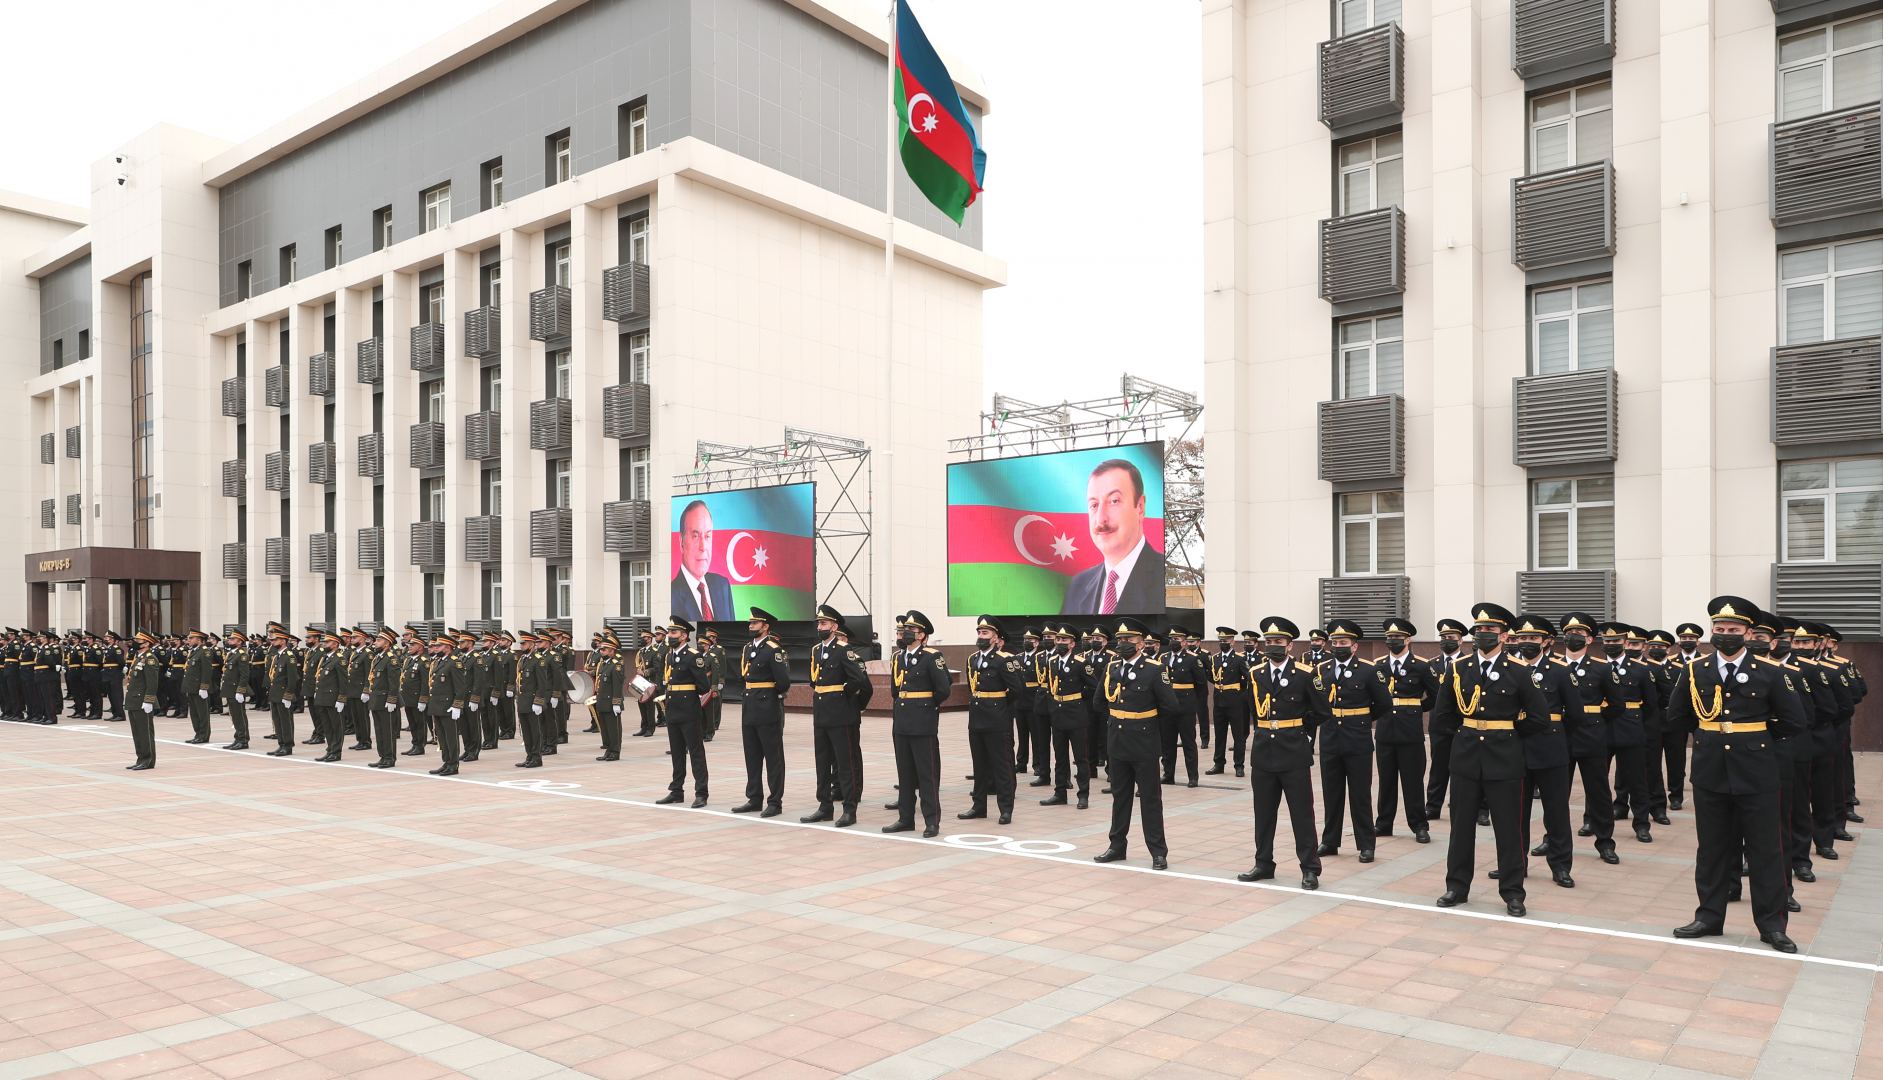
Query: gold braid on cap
<point>1693,695</point>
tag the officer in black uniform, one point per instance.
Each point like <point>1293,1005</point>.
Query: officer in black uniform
<point>1228,675</point>
<point>1098,656</point>
<point>1136,690</point>
<point>1586,721</point>
<point>684,675</point>
<point>1178,727</point>
<point>110,673</point>
<point>1490,703</point>
<point>1732,702</point>
<point>1546,753</point>
<point>1356,697</point>
<point>1400,730</point>
<point>1674,742</point>
<point>996,679</point>
<point>1288,702</point>
<point>1629,730</point>
<point>1791,648</point>
<point>919,683</point>
<point>1067,678</point>
<point>1451,636</point>
<point>1029,753</point>
<point>1813,799</point>
<point>840,689</point>
<point>1846,783</point>
<point>766,672</point>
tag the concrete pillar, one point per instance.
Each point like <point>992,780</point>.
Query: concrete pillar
<point>520,255</point>
<point>461,399</point>
<point>1230,596</point>
<point>591,232</point>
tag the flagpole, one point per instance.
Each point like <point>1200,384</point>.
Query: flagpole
<point>882,526</point>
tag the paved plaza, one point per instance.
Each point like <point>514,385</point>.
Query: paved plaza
<point>231,914</point>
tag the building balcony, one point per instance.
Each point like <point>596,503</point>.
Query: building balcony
<point>320,371</point>
<point>1555,35</point>
<point>1363,76</point>
<point>74,509</point>
<point>322,553</point>
<point>370,548</point>
<point>1366,599</point>
<point>369,362</point>
<point>275,560</point>
<point>1827,166</point>
<point>549,313</point>
<point>1827,391</point>
<point>483,436</point>
<point>428,543</point>
<point>275,386</point>
<point>74,443</point>
<point>1848,595</point>
<point>371,452</point>
<point>428,445</point>
<point>550,533</point>
<point>567,626</point>
<point>629,629</point>
<point>483,332</point>
<point>235,561</point>
<point>1557,591</point>
<point>1363,438</point>
<point>48,448</point>
<point>1363,255</point>
<point>321,464</point>
<point>428,347</point>
<point>1565,419</point>
<point>48,513</point>
<point>627,526</point>
<point>1563,216</point>
<point>234,479</point>
<point>275,470</point>
<point>625,293</point>
<point>550,424</point>
<point>235,397</point>
<point>483,539</point>
<point>627,411</point>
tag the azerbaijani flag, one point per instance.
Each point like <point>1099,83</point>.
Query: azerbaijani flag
<point>939,147</point>
<point>763,545</point>
<point>1018,529</point>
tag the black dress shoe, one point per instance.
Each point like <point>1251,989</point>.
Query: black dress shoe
<point>1432,812</point>
<point>380,764</point>
<point>1423,836</point>
<point>749,806</point>
<point>416,751</point>
<point>848,819</point>
<point>549,750</point>
<point>1561,877</point>
<point>328,757</point>
<point>1213,770</point>
<point>969,815</point>
<point>892,806</point>
<point>1662,819</point>
<point>562,736</point>
<point>1844,836</point>
<point>1256,873</point>
<point>1792,905</point>
<point>142,766</point>
<point>1310,881</point>
<point>1804,874</point>
<point>1083,803</point>
<point>1006,817</point>
<point>1585,831</point>
<point>1104,791</point>
<point>930,832</point>
<point>361,746</point>
<point>1484,818</point>
<point>771,811</point>
<point>822,813</point>
<point>445,770</point>
<point>700,801</point>
<point>1238,770</point>
<point>1696,929</point>
<point>1159,862</point>
<point>1378,832</point>
<point>1644,836</point>
<point>1366,856</point>
<point>1326,850</point>
<point>669,799</point>
<point>1827,852</point>
<point>1450,899</point>
<point>196,741</point>
<point>1674,802</point>
<point>468,757</point>
<point>590,730</point>
<point>1495,874</point>
<point>283,752</point>
<point>1040,781</point>
<point>1169,780</point>
<point>239,744</point>
<point>1515,909</point>
<point>609,756</point>
<point>316,740</point>
<point>1849,816</point>
<point>1539,851</point>
<point>1608,856</point>
<point>900,826</point>
<point>492,745</point>
<point>1108,855</point>
<point>1056,800</point>
<point>534,761</point>
<point>1779,941</point>
<point>1192,782</point>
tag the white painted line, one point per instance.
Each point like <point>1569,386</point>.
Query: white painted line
<point>1001,845</point>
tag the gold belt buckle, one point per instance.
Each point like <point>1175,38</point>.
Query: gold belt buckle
<point>1726,727</point>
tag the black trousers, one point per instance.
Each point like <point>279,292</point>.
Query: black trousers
<point>1652,760</point>
<point>1202,699</point>
<point>1552,788</point>
<point>114,690</point>
<point>648,716</point>
<point>608,718</point>
<point>386,720</point>
<point>1402,771</point>
<point>1846,771</point>
<point>1096,736</point>
<point>530,722</point>
<point>362,722</point>
<point>1827,801</point>
<point>283,718</point>
<point>1040,727</point>
<point>1439,776</point>
<point>1632,795</point>
<point>416,726</point>
<point>1069,749</point>
<point>1730,828</point>
<point>507,715</point>
<point>835,761</point>
<point>918,773</point>
<point>1467,792</point>
<point>710,722</point>
<point>1022,735</point>
<point>1231,718</point>
<point>1268,790</point>
<point>1179,729</point>
<point>1674,760</point>
<point>1348,778</point>
<point>1794,805</point>
<point>144,736</point>
<point>1139,778</point>
<point>445,730</point>
<point>49,692</point>
<point>238,719</point>
<point>993,769</point>
<point>765,762</point>
<point>199,716</point>
<point>330,723</point>
<point>562,717</point>
<point>684,740</point>
<point>1598,804</point>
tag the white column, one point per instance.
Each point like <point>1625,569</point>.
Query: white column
<point>1230,595</point>
<point>304,428</point>
<point>593,594</point>
<point>353,417</point>
<point>461,387</point>
<point>405,601</point>
<point>523,598</point>
<point>109,459</point>
<point>264,516</point>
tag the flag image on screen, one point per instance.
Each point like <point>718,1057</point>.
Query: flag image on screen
<point>736,550</point>
<point>1073,533</point>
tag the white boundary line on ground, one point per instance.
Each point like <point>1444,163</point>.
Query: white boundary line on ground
<point>1084,863</point>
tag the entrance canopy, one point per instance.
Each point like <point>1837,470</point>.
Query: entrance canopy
<point>125,589</point>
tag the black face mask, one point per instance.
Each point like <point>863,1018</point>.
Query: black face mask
<point>1758,648</point>
<point>1728,644</point>
<point>1529,650</point>
<point>1225,646</point>
<point>673,643</point>
<point>1064,649</point>
<point>1277,653</point>
<point>1128,649</point>
<point>1485,640</point>
<point>1657,654</point>
<point>1448,646</point>
<point>906,639</point>
<point>1396,645</point>
<point>1575,642</point>
<point>984,644</point>
<point>1343,653</point>
<point>1614,651</point>
<point>1780,649</point>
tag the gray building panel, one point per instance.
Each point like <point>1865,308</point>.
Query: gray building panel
<point>65,308</point>
<point>756,77</point>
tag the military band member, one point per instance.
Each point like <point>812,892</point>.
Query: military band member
<point>382,695</point>
<point>142,687</point>
<point>1178,727</point>
<point>327,698</point>
<point>1490,703</point>
<point>716,660</point>
<point>684,676</point>
<point>995,680</point>
<point>1067,679</point>
<point>414,671</point>
<point>766,672</point>
<point>284,686</point>
<point>1546,753</point>
<point>198,675</point>
<point>1659,643</point>
<point>234,686</point>
<point>1400,730</point>
<point>919,683</point>
<point>1587,723</point>
<point>447,682</point>
<point>1356,696</point>
<point>1228,677</point>
<point>1733,702</point>
<point>477,737</point>
<point>610,689</point>
<point>594,657</point>
<point>647,665</point>
<point>1288,701</point>
<point>1451,636</point>
<point>1136,691</point>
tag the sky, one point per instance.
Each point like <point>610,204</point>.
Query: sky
<point>1094,186</point>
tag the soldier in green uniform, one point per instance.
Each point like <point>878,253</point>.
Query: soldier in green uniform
<point>647,665</point>
<point>142,688</point>
<point>234,687</point>
<point>557,658</point>
<point>284,685</point>
<point>588,668</point>
<point>477,676</point>
<point>414,670</point>
<point>446,683</point>
<point>1136,691</point>
<point>683,683</point>
<point>198,674</point>
<point>503,701</point>
<point>532,699</point>
<point>110,672</point>
<point>382,696</point>
<point>610,679</point>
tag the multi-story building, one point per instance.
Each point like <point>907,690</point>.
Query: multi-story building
<point>436,348</point>
<point>1564,303</point>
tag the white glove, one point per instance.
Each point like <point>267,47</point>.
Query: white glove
<point>204,694</point>
<point>617,710</point>
<point>509,693</point>
<point>392,706</point>
<point>555,701</point>
<point>537,709</point>
<point>61,668</point>
<point>149,708</point>
<point>366,697</point>
<point>239,699</point>
<point>473,706</point>
<point>454,714</point>
<point>288,702</point>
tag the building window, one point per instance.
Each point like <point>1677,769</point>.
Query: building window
<point>558,167</point>
<point>559,264</point>
<point>493,285</point>
<point>58,353</point>
<point>493,183</point>
<point>1572,328</point>
<point>244,279</point>
<point>493,492</point>
<point>1371,173</point>
<point>1572,523</point>
<point>382,228</point>
<point>1831,292</point>
<point>435,208</point>
<point>640,587</point>
<point>1833,510</point>
<point>431,494</point>
<point>434,596</point>
<point>1358,15</point>
<point>432,408</point>
<point>561,594</point>
<point>84,344</point>
<point>1571,127</point>
<point>143,411</point>
<point>1372,533</point>
<point>559,373</point>
<point>290,265</point>
<point>637,354</point>
<point>637,240</point>
<point>637,472</point>
<point>633,128</point>
<point>433,299</point>
<point>1831,67</point>
<point>490,394</point>
<point>333,247</point>
<point>1372,356</point>
<point>559,490</point>
<point>493,594</point>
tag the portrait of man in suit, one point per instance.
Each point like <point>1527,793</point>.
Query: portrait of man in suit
<point>699,596</point>
<point>1131,579</point>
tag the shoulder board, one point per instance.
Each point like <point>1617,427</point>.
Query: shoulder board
<point>1153,662</point>
<point>1002,652</point>
<point>1364,663</point>
<point>1769,661</point>
<point>931,651</point>
<point>1301,666</point>
<point>1559,661</point>
<point>1422,659</point>
<point>851,653</point>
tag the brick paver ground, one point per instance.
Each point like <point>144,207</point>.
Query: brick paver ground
<point>235,915</point>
